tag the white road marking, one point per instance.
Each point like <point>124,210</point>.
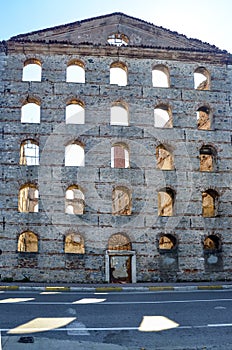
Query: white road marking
<point>108,329</point>
<point>89,301</point>
<point>124,302</point>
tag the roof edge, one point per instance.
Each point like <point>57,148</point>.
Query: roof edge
<point>71,24</point>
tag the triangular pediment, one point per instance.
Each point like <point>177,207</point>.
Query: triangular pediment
<point>97,30</point>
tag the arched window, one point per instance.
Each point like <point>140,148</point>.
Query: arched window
<point>167,242</point>
<point>119,114</point>
<point>164,158</point>
<point>75,112</point>
<point>118,74</point>
<point>160,76</point>
<point>75,72</point>
<point>28,199</point>
<point>118,39</point>
<point>74,155</point>
<point>74,244</point>
<point>162,116</point>
<point>166,198</point>
<point>209,203</point>
<point>212,242</point>
<point>119,156</point>
<point>201,79</point>
<point>29,153</point>
<point>30,111</point>
<point>28,242</point>
<point>207,158</point>
<point>74,200</point>
<point>204,118</point>
<point>32,70</point>
<point>121,201</point>
<point>119,241</point>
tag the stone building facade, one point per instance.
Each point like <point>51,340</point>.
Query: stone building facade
<point>115,155</point>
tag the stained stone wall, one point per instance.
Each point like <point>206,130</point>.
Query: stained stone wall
<point>143,227</point>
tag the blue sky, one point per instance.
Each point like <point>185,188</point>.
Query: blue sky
<point>207,20</point>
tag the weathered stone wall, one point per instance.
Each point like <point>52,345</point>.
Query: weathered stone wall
<point>97,178</point>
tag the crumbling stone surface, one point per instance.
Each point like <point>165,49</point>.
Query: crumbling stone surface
<point>146,175</point>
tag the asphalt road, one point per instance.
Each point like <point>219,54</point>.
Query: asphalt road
<point>124,320</point>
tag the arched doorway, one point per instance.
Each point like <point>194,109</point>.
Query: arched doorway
<point>120,260</point>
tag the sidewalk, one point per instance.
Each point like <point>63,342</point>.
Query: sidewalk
<point>106,287</point>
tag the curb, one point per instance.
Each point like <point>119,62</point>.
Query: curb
<point>116,289</point>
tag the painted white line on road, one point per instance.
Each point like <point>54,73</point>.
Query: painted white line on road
<point>123,302</point>
<point>108,329</point>
<point>220,325</point>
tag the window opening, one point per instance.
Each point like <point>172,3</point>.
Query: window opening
<point>164,158</point>
<point>74,155</point>
<point>167,242</point>
<point>209,203</point>
<point>30,112</point>
<point>28,242</point>
<point>75,72</point>
<point>165,202</point>
<point>75,112</point>
<point>207,158</point>
<point>29,153</point>
<point>28,199</point>
<point>201,79</point>
<point>74,200</point>
<point>32,70</point>
<point>121,201</point>
<point>212,242</point>
<point>160,76</point>
<point>119,156</point>
<point>119,115</point>
<point>74,244</point>
<point>118,39</point>
<point>118,74</point>
<point>203,118</point>
<point>162,117</point>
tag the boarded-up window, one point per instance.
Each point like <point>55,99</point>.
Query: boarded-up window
<point>28,242</point>
<point>121,201</point>
<point>28,199</point>
<point>74,200</point>
<point>74,243</point>
<point>164,158</point>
